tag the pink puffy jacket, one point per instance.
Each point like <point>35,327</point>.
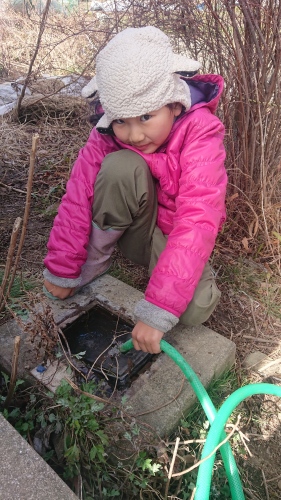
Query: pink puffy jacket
<point>191,200</point>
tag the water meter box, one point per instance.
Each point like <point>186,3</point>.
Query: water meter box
<point>100,333</point>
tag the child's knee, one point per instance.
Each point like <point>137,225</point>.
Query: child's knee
<point>121,164</point>
<point>203,304</point>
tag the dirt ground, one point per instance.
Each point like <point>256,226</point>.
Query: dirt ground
<point>247,313</point>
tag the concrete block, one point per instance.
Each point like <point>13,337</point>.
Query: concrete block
<point>53,375</point>
<point>112,294</point>
<point>207,352</point>
<point>8,332</point>
<point>24,475</point>
<point>253,360</point>
<point>263,364</point>
<point>155,395</point>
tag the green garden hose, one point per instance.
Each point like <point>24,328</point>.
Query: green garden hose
<point>218,420</point>
<point>201,393</point>
<point>214,435</point>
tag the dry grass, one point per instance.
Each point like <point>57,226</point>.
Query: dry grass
<point>241,42</point>
<point>69,43</point>
<point>61,122</point>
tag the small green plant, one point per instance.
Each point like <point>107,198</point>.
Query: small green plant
<point>4,386</point>
<point>122,275</point>
<point>73,433</point>
<point>17,295</point>
<point>84,440</point>
<point>20,286</point>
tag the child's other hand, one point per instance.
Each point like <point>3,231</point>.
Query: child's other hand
<point>146,338</point>
<point>58,291</point>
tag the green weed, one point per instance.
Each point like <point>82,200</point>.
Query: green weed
<point>4,381</point>
<point>74,438</point>
<point>78,436</point>
<point>17,295</point>
<point>20,286</point>
<point>121,274</point>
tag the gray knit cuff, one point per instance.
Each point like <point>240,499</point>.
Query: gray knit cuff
<point>63,282</point>
<point>154,316</point>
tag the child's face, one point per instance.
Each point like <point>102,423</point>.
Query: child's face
<point>147,132</point>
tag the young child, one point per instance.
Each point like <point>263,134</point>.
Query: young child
<point>150,178</point>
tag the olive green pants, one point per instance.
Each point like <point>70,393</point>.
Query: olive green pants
<point>125,200</point>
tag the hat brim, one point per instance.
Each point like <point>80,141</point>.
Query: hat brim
<point>182,63</point>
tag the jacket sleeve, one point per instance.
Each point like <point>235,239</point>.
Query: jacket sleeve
<point>200,213</point>
<point>72,225</point>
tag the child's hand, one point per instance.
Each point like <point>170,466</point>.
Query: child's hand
<point>146,338</point>
<point>58,291</point>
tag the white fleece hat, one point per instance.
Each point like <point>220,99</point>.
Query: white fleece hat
<point>136,74</point>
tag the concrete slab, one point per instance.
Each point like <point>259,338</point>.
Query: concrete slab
<point>208,353</point>
<point>24,475</point>
<point>114,295</point>
<point>8,332</point>
<point>253,360</point>
<point>53,375</point>
<point>162,396</point>
<point>263,364</point>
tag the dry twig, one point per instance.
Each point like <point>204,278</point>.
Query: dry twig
<point>234,429</point>
<point>39,38</point>
<point>13,378</point>
<point>265,484</point>
<point>12,188</point>
<point>259,339</point>
<point>35,140</point>
<point>9,260</point>
<point>88,394</point>
<point>171,468</point>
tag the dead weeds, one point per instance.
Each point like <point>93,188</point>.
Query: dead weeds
<point>41,330</point>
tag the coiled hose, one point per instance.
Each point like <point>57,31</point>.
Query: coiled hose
<point>217,421</point>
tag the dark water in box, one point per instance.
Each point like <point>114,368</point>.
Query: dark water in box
<point>99,333</point>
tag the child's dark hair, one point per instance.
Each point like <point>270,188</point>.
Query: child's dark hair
<point>171,106</point>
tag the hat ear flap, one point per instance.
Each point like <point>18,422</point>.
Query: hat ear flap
<point>90,89</point>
